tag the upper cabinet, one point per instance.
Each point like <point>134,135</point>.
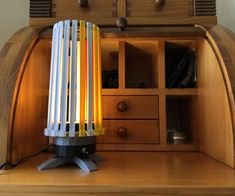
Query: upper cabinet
<point>136,12</point>
<point>170,12</point>
<point>46,12</point>
<point>92,10</point>
<point>159,8</point>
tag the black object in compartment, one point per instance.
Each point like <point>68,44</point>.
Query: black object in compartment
<point>180,66</point>
<point>110,79</point>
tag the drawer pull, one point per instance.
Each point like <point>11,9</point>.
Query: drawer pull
<point>160,3</point>
<point>122,132</point>
<point>121,23</point>
<point>122,106</point>
<point>83,3</point>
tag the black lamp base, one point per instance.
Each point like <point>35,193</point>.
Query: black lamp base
<point>78,150</point>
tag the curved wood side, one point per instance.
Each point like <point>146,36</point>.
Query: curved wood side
<point>30,116</point>
<point>216,94</point>
<point>13,58</point>
<point>222,41</point>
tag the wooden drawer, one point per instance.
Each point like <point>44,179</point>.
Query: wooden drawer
<point>137,107</point>
<point>136,132</point>
<point>96,11</point>
<point>148,8</point>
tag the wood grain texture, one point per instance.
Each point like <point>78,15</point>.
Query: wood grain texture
<point>138,107</point>
<point>124,173</point>
<point>161,147</point>
<point>149,9</point>
<point>30,116</point>
<point>138,13</point>
<point>150,91</point>
<point>139,33</point>
<point>121,65</point>
<point>138,132</point>
<point>122,8</point>
<point>206,21</point>
<point>222,42</point>
<point>12,66</point>
<point>96,10</point>
<point>214,121</point>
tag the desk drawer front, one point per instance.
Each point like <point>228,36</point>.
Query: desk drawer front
<point>130,107</point>
<point>130,131</point>
<point>148,8</point>
<point>95,10</point>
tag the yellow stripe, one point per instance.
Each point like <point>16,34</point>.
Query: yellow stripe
<point>100,120</point>
<point>95,96</point>
<point>82,131</point>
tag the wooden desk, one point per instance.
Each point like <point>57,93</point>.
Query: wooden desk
<point>126,173</point>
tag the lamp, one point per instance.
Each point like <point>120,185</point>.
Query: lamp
<point>74,104</point>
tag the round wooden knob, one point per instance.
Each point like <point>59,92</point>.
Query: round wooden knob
<point>160,3</point>
<point>122,106</point>
<point>83,3</point>
<point>122,132</point>
<point>122,23</point>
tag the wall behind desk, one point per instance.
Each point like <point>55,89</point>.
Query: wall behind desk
<point>226,13</point>
<point>14,15</point>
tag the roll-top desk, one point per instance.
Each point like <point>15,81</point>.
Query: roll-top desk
<point>140,110</point>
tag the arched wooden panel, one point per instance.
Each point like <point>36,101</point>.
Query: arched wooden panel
<point>214,124</point>
<point>215,102</point>
<point>13,59</point>
<point>30,116</point>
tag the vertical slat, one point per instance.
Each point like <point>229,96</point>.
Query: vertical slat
<point>73,80</point>
<point>89,78</point>
<point>95,78</point>
<point>82,79</point>
<point>122,8</point>
<point>58,76</point>
<point>51,98</point>
<point>100,119</point>
<point>121,65</point>
<point>62,132</point>
<point>78,84</point>
<point>82,70</point>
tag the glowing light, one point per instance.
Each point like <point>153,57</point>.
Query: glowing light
<point>74,104</point>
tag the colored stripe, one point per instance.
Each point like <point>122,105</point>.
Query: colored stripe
<point>82,80</point>
<point>100,120</point>
<point>89,78</point>
<point>95,78</point>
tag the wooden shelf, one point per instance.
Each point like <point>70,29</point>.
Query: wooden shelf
<point>150,91</point>
<point>124,173</point>
<point>148,147</point>
<point>186,91</point>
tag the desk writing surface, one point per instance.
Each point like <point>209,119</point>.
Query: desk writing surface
<point>140,172</point>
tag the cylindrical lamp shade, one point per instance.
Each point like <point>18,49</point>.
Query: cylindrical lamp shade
<point>74,104</point>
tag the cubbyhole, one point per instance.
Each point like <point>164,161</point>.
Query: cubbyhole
<point>180,61</point>
<point>110,53</point>
<point>141,64</point>
<point>180,119</point>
